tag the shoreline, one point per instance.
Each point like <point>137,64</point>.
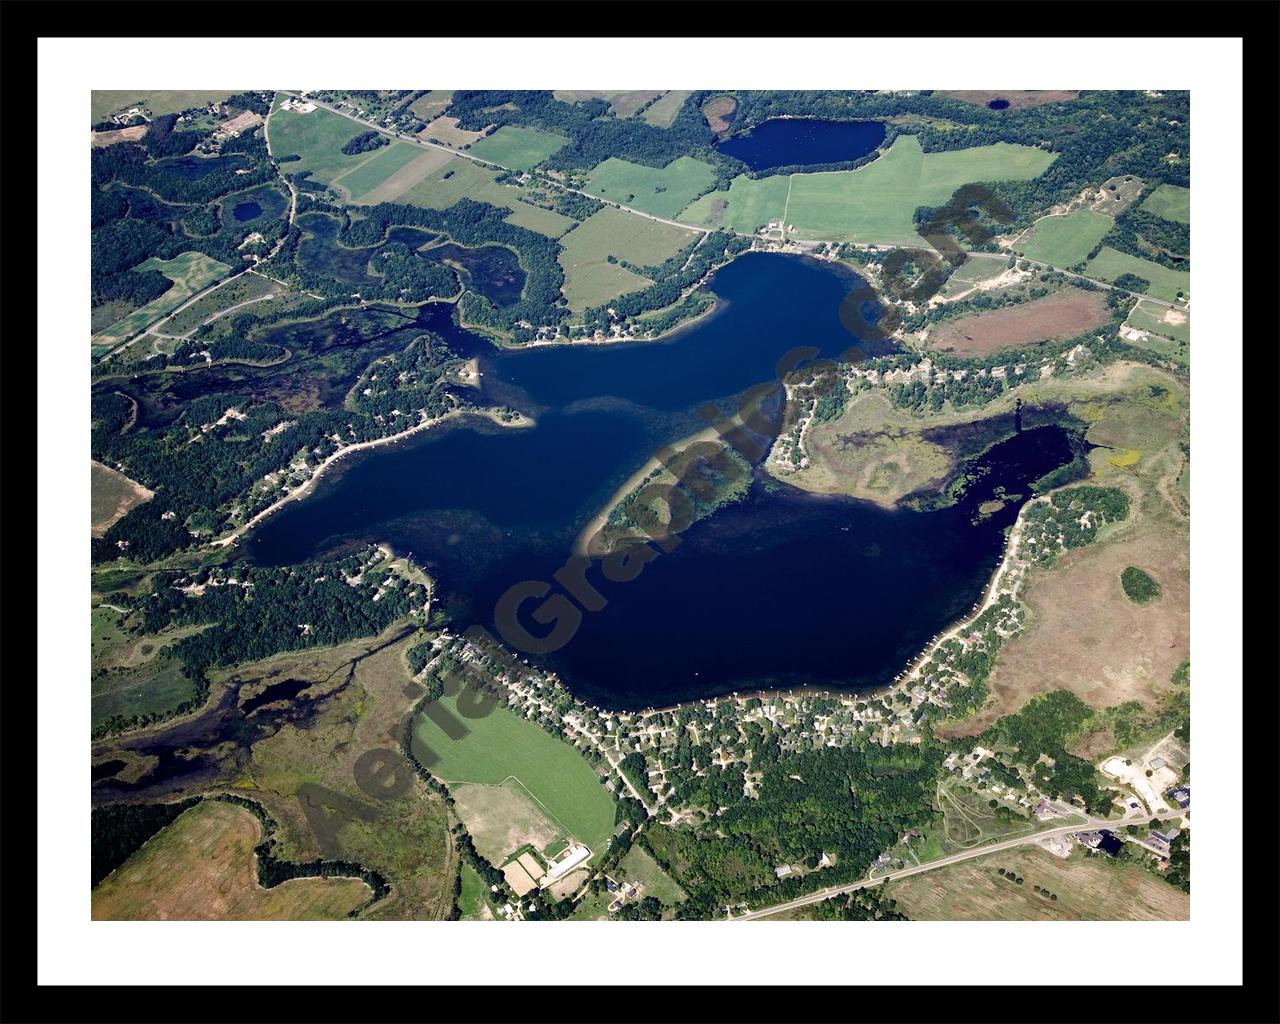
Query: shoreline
<point>305,488</point>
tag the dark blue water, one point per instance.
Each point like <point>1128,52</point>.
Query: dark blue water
<point>788,141</point>
<point>782,588</point>
<point>998,104</point>
<point>247,211</point>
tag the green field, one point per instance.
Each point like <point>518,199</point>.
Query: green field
<point>106,102</point>
<point>1172,202</point>
<point>470,180</point>
<point>661,191</point>
<point>154,687</point>
<point>502,744</point>
<point>1147,316</point>
<point>244,288</point>
<point>1065,241</point>
<point>190,272</point>
<point>378,167</point>
<point>1165,283</point>
<point>518,147</point>
<point>663,111</point>
<point>876,202</point>
<point>748,205</point>
<point>471,901</point>
<point>590,278</point>
<point>432,104</point>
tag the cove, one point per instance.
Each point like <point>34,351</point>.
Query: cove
<point>782,588</point>
<point>791,141</point>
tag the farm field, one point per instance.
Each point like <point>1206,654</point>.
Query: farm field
<point>386,172</point>
<point>1172,202</point>
<point>471,900</point>
<point>1065,241</point>
<point>106,102</point>
<point>661,191</point>
<point>501,819</point>
<point>190,272</point>
<point>111,495</point>
<point>155,687</point>
<point>1088,888</point>
<point>202,867</point>
<point>747,206</point>
<point>875,202</point>
<point>316,136</point>
<point>518,147</point>
<point>467,179</point>
<point>590,278</point>
<point>1064,314</point>
<point>1165,283</point>
<point>662,112</point>
<point>502,744</point>
<point>981,275</point>
<point>1170,330</point>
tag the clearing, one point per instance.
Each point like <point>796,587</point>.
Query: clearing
<point>460,178</point>
<point>445,130</point>
<point>1065,241</point>
<point>105,102</point>
<point>111,495</point>
<point>502,819</point>
<point>1089,887</point>
<point>1017,99</point>
<point>622,102</point>
<point>1064,314</point>
<point>662,112</point>
<point>1172,202</point>
<point>202,867</point>
<point>661,191</point>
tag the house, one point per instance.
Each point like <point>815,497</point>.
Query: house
<point>782,870</point>
<point>610,884</point>
<point>1167,836</point>
<point>1181,796</point>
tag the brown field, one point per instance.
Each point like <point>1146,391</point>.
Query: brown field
<point>1063,315</point>
<point>1083,634</point>
<point>240,122</point>
<point>446,130</point>
<point>623,104</point>
<point>501,819</point>
<point>203,868</point>
<point>112,494</point>
<point>1088,887</point>
<point>1018,98</point>
<point>355,700</point>
<point>399,182</point>
<point>99,139</point>
<point>719,111</point>
<point>433,103</point>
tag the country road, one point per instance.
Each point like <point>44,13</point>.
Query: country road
<point>1090,824</point>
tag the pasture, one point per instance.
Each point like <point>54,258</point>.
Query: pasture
<point>1064,314</point>
<point>662,112</point>
<point>378,178</point>
<point>661,191</point>
<point>433,104</point>
<point>246,288</point>
<point>190,272</point>
<point>1064,241</point>
<point>518,147</point>
<point>1172,202</point>
<point>317,137</point>
<point>202,867</point>
<point>639,866</point>
<point>1088,888</point>
<point>502,819</point>
<point>503,744</point>
<point>445,130</point>
<point>111,495</point>
<point>460,178</point>
<point>1165,283</point>
<point>155,687</point>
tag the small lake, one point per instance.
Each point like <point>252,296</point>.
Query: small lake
<point>247,211</point>
<point>783,588</point>
<point>789,141</point>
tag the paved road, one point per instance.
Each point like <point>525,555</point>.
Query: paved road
<point>955,858</point>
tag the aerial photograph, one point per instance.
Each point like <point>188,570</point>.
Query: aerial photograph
<point>657,505</point>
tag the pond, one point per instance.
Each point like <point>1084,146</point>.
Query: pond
<point>782,588</point>
<point>193,168</point>
<point>791,141</point>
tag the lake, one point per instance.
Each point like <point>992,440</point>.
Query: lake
<point>783,588</point>
<point>791,141</point>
